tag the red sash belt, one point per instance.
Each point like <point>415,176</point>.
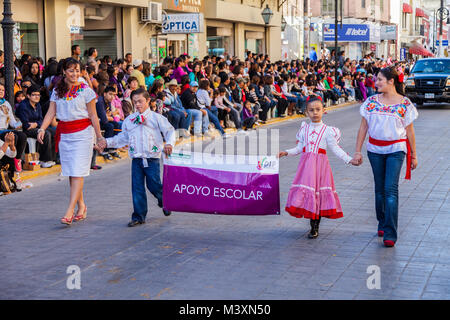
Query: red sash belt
<point>70,127</point>
<point>320,150</point>
<point>382,143</point>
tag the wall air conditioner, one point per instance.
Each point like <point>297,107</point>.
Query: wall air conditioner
<point>155,12</point>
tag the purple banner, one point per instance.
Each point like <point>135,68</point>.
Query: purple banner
<point>187,189</point>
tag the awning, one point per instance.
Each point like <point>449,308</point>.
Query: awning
<point>419,12</point>
<point>407,8</point>
<point>419,50</point>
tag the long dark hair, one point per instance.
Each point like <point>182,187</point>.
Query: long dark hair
<point>62,87</point>
<point>391,73</point>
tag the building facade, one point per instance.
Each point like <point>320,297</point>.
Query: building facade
<point>48,28</point>
<point>361,27</point>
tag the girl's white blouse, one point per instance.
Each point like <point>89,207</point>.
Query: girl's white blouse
<point>314,136</point>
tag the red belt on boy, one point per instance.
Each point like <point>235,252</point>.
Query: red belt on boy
<point>70,127</point>
<point>383,143</point>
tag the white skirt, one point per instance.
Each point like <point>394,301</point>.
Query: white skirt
<point>75,152</point>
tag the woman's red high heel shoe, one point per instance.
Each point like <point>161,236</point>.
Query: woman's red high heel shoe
<point>81,217</point>
<point>67,221</point>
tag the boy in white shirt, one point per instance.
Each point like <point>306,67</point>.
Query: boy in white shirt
<point>141,131</point>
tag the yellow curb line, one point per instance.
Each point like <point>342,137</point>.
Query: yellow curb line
<point>28,175</point>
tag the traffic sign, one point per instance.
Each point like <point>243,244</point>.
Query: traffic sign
<point>444,43</point>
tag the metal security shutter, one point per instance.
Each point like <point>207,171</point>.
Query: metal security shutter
<point>105,41</point>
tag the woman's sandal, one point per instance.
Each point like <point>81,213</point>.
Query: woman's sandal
<point>81,217</point>
<point>67,221</point>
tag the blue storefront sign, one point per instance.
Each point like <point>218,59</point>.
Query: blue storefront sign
<point>183,23</point>
<point>348,32</point>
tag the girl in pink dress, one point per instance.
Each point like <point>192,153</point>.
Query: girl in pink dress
<point>312,194</point>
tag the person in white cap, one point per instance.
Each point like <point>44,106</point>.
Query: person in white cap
<point>178,116</point>
<point>137,72</point>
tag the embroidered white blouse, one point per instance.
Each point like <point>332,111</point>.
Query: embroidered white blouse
<point>314,136</point>
<point>388,122</point>
<point>144,140</point>
<point>73,105</point>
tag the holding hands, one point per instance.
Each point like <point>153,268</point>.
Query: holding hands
<point>357,159</point>
<point>101,144</point>
<point>282,154</point>
<point>167,150</point>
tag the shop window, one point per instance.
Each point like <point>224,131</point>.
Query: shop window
<point>219,44</point>
<point>254,45</point>
<point>26,39</point>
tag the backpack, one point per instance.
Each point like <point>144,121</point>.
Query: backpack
<point>7,184</point>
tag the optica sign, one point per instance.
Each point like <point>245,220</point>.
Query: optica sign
<point>183,23</point>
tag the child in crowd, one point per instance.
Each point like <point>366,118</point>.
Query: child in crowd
<point>133,84</point>
<point>18,98</point>
<point>248,117</point>
<point>313,194</point>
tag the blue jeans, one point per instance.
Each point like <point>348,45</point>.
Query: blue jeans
<point>140,175</point>
<point>184,121</point>
<point>350,92</point>
<point>197,116</point>
<point>212,117</point>
<point>176,118</point>
<point>386,172</point>
<point>301,101</point>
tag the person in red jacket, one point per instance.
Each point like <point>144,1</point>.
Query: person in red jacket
<point>370,85</point>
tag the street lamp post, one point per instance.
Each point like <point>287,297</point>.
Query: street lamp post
<point>443,13</point>
<point>8,26</point>
<point>267,16</point>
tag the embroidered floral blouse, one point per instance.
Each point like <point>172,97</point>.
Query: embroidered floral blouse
<point>73,105</point>
<point>388,122</point>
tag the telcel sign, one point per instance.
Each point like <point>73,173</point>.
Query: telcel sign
<point>182,23</point>
<point>348,32</point>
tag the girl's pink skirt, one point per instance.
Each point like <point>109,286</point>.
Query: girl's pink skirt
<point>312,194</point>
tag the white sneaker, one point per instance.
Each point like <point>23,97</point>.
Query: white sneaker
<point>226,136</point>
<point>208,134</point>
<point>47,164</point>
<point>185,133</point>
<point>243,132</point>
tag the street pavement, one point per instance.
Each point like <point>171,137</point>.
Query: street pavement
<point>199,256</point>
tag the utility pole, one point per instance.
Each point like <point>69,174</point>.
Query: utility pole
<point>434,31</point>
<point>336,62</point>
<point>8,26</point>
<point>441,17</point>
<point>337,4</point>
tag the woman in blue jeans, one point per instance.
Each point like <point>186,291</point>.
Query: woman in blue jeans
<point>388,118</point>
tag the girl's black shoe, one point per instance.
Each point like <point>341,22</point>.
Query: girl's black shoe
<point>314,233</point>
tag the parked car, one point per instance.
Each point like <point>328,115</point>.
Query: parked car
<point>429,81</point>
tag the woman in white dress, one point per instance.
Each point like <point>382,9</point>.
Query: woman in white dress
<point>73,104</point>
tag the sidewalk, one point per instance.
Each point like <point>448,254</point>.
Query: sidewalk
<point>42,172</point>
